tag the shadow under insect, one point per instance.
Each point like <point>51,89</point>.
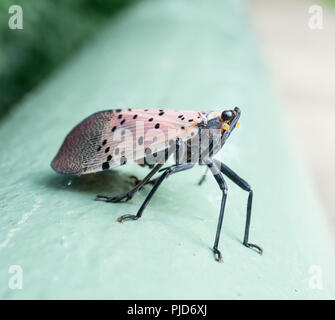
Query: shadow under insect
<point>106,182</point>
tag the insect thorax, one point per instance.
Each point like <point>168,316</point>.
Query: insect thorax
<point>195,150</point>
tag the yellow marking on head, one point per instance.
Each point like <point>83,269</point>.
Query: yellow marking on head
<point>238,124</point>
<point>226,127</point>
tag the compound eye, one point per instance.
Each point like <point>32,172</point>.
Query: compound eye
<point>227,115</point>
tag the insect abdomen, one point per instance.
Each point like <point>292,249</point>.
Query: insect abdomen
<point>80,145</point>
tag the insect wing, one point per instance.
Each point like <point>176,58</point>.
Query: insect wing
<point>112,138</point>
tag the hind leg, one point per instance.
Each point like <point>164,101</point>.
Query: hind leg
<point>127,196</point>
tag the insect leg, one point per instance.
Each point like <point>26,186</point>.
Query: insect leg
<point>203,177</point>
<point>167,172</point>
<point>245,186</point>
<point>137,181</point>
<point>131,193</point>
<point>223,186</point>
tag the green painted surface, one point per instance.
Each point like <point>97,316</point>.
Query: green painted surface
<point>171,54</point>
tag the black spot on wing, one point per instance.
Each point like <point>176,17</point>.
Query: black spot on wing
<point>105,166</point>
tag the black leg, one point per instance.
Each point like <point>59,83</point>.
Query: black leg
<point>203,178</point>
<point>168,171</point>
<point>223,186</point>
<point>131,193</point>
<point>245,186</point>
<point>138,181</point>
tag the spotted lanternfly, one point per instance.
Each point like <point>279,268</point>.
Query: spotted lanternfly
<point>112,138</point>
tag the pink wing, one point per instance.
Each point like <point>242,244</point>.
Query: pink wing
<point>108,139</point>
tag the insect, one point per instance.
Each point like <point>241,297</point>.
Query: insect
<point>108,139</point>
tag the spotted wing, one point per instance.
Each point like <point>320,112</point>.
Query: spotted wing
<point>111,138</point>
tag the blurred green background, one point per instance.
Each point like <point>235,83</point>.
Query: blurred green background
<point>24,62</point>
<point>27,57</point>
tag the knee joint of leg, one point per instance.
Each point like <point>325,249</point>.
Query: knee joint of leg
<point>168,171</point>
<point>246,187</point>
